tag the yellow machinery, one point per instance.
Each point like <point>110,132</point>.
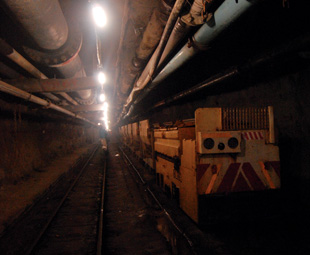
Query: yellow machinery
<point>229,151</point>
<point>136,142</point>
<point>168,146</point>
<point>147,144</point>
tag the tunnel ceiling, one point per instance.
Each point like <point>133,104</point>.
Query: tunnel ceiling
<point>62,42</point>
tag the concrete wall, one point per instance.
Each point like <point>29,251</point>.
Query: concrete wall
<point>30,139</point>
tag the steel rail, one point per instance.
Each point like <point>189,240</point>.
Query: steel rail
<point>189,241</point>
<point>51,218</point>
<point>100,226</point>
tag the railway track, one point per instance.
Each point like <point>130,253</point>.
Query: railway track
<point>183,235</point>
<point>68,218</point>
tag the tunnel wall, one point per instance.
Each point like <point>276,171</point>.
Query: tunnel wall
<point>31,138</point>
<point>290,96</point>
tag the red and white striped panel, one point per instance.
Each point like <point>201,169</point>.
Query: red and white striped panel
<point>253,135</point>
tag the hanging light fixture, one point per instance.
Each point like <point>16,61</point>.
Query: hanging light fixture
<point>99,15</point>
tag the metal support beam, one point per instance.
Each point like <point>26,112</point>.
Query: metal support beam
<point>9,89</point>
<point>55,85</point>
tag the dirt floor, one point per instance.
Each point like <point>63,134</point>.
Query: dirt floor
<point>16,197</point>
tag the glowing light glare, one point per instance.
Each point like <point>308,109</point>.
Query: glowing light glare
<point>99,15</point>
<point>105,115</point>
<point>105,107</point>
<point>101,78</point>
<point>101,97</point>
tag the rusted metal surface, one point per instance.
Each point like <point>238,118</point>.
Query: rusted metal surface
<point>25,64</point>
<point>62,56</point>
<point>55,85</point>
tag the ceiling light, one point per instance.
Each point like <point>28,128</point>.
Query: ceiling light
<point>101,78</point>
<point>105,106</point>
<point>101,97</point>
<point>99,16</point>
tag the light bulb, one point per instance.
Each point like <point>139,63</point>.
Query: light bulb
<point>99,15</point>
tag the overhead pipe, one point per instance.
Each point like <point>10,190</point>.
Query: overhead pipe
<point>43,20</point>
<point>18,59</point>
<point>54,85</point>
<point>285,53</point>
<point>9,89</point>
<point>13,55</point>
<point>153,32</point>
<point>149,71</point>
<point>150,40</point>
<point>197,15</point>
<point>9,72</point>
<point>58,46</point>
<point>181,28</point>
<point>227,13</point>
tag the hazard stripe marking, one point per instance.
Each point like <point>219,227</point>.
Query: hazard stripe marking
<point>201,169</point>
<point>255,135</point>
<point>267,176</point>
<point>213,179</point>
<point>275,165</point>
<point>252,135</point>
<point>251,175</point>
<point>241,184</point>
<point>229,177</point>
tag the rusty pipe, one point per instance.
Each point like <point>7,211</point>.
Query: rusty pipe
<point>43,20</point>
<point>9,89</point>
<point>58,45</point>
<point>13,55</point>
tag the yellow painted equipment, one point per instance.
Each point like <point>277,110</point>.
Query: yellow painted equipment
<point>231,151</point>
<point>136,142</point>
<point>147,144</point>
<point>224,154</point>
